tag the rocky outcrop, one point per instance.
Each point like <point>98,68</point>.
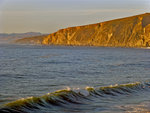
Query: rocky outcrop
<point>125,32</point>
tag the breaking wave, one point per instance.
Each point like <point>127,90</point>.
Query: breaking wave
<point>70,98</point>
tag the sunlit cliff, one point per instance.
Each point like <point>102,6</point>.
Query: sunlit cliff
<point>125,32</point>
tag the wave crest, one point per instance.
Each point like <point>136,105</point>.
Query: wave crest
<point>65,97</point>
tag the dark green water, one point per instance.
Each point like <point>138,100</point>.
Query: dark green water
<point>49,79</point>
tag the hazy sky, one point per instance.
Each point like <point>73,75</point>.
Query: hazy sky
<point>48,16</point>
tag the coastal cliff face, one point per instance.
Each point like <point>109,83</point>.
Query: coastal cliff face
<point>126,32</point>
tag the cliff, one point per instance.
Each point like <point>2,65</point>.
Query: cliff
<point>125,32</point>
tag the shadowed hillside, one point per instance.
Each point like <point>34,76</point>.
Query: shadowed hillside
<point>125,32</point>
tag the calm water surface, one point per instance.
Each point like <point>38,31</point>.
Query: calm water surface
<point>34,71</point>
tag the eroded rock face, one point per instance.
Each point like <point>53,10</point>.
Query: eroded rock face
<point>126,32</point>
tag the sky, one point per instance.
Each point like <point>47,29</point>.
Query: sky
<point>48,16</point>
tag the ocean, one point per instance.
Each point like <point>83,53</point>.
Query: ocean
<point>68,79</point>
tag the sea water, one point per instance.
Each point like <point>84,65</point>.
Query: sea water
<point>67,79</point>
